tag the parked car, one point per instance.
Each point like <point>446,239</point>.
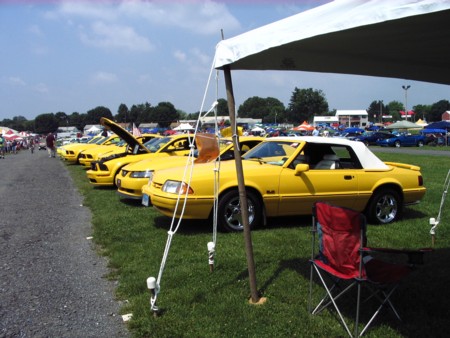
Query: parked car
<point>284,176</point>
<point>134,176</point>
<point>371,137</point>
<point>87,156</point>
<point>402,140</point>
<point>103,172</point>
<point>71,152</point>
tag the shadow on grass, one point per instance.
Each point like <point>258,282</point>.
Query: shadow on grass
<point>421,299</point>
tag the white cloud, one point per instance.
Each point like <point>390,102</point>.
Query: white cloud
<point>104,78</point>
<point>35,30</point>
<point>115,36</point>
<point>180,56</point>
<point>15,81</point>
<point>41,88</point>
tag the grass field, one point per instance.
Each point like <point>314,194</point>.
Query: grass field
<point>194,302</point>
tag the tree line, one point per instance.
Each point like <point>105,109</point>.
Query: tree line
<point>304,104</point>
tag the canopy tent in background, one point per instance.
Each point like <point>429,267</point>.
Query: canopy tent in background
<point>439,125</point>
<point>338,37</point>
<point>184,126</point>
<point>305,126</point>
<point>403,125</point>
<point>93,129</point>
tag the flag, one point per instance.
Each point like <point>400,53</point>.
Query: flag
<point>136,131</point>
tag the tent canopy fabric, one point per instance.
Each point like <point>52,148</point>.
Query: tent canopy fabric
<point>339,36</point>
<point>403,125</point>
<point>184,126</point>
<point>439,125</point>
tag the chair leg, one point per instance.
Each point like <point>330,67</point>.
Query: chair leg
<point>332,299</point>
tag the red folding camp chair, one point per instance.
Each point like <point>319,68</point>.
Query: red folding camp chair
<point>343,262</point>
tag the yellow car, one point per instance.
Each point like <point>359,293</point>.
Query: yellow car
<point>87,156</point>
<point>133,177</point>
<point>104,171</point>
<point>284,176</point>
<point>72,154</point>
<point>60,150</point>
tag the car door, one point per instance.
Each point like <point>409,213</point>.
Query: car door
<point>299,189</point>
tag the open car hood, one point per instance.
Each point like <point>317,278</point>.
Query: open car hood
<point>123,134</point>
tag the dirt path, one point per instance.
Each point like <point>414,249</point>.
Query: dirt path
<point>51,280</point>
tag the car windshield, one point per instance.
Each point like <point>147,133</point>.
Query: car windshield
<point>158,143</point>
<point>101,140</point>
<point>273,152</point>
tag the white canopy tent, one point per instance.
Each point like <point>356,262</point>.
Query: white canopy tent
<point>184,126</point>
<point>411,37</point>
<point>400,39</point>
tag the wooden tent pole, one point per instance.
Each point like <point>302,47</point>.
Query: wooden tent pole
<point>241,187</point>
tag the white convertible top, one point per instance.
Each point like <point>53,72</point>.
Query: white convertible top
<point>366,157</point>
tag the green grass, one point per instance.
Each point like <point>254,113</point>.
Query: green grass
<point>197,303</point>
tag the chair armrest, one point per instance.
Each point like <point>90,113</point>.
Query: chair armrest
<point>414,256</point>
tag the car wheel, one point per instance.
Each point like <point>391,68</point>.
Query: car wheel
<point>397,144</point>
<point>420,144</point>
<point>229,211</point>
<point>384,207</point>
<point>366,143</point>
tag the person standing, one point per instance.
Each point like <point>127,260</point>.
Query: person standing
<point>51,145</point>
<point>316,131</point>
<point>2,146</point>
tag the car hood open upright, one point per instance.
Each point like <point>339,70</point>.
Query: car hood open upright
<point>123,134</point>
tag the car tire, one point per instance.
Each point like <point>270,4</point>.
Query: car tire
<point>229,213</point>
<point>397,144</point>
<point>385,206</point>
<point>366,143</point>
<point>420,144</point>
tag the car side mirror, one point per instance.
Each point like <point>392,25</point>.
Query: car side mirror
<point>300,168</point>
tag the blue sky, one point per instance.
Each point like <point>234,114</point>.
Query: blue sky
<point>72,56</point>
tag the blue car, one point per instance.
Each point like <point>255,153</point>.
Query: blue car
<point>402,140</point>
<point>371,137</point>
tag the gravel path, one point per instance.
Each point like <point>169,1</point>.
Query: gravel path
<point>51,279</point>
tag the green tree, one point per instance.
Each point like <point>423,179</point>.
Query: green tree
<point>122,113</point>
<point>18,123</point>
<point>394,108</point>
<point>164,114</point>
<point>437,109</point>
<point>46,123</point>
<point>376,110</point>
<point>267,109</point>
<point>93,116</point>
<point>145,115</point>
<point>222,107</point>
<point>422,111</point>
<point>305,104</point>
<point>62,118</point>
<point>77,120</point>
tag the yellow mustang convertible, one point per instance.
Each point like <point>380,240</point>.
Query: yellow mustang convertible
<point>87,156</point>
<point>133,177</point>
<point>284,176</point>
<point>103,172</point>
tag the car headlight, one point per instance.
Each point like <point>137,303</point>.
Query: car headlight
<point>141,174</point>
<point>176,187</point>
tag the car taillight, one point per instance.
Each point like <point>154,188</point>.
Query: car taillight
<point>420,180</point>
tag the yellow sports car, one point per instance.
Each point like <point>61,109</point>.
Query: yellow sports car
<point>89,155</point>
<point>104,171</point>
<point>72,154</point>
<point>61,150</point>
<point>284,176</point>
<point>133,177</point>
